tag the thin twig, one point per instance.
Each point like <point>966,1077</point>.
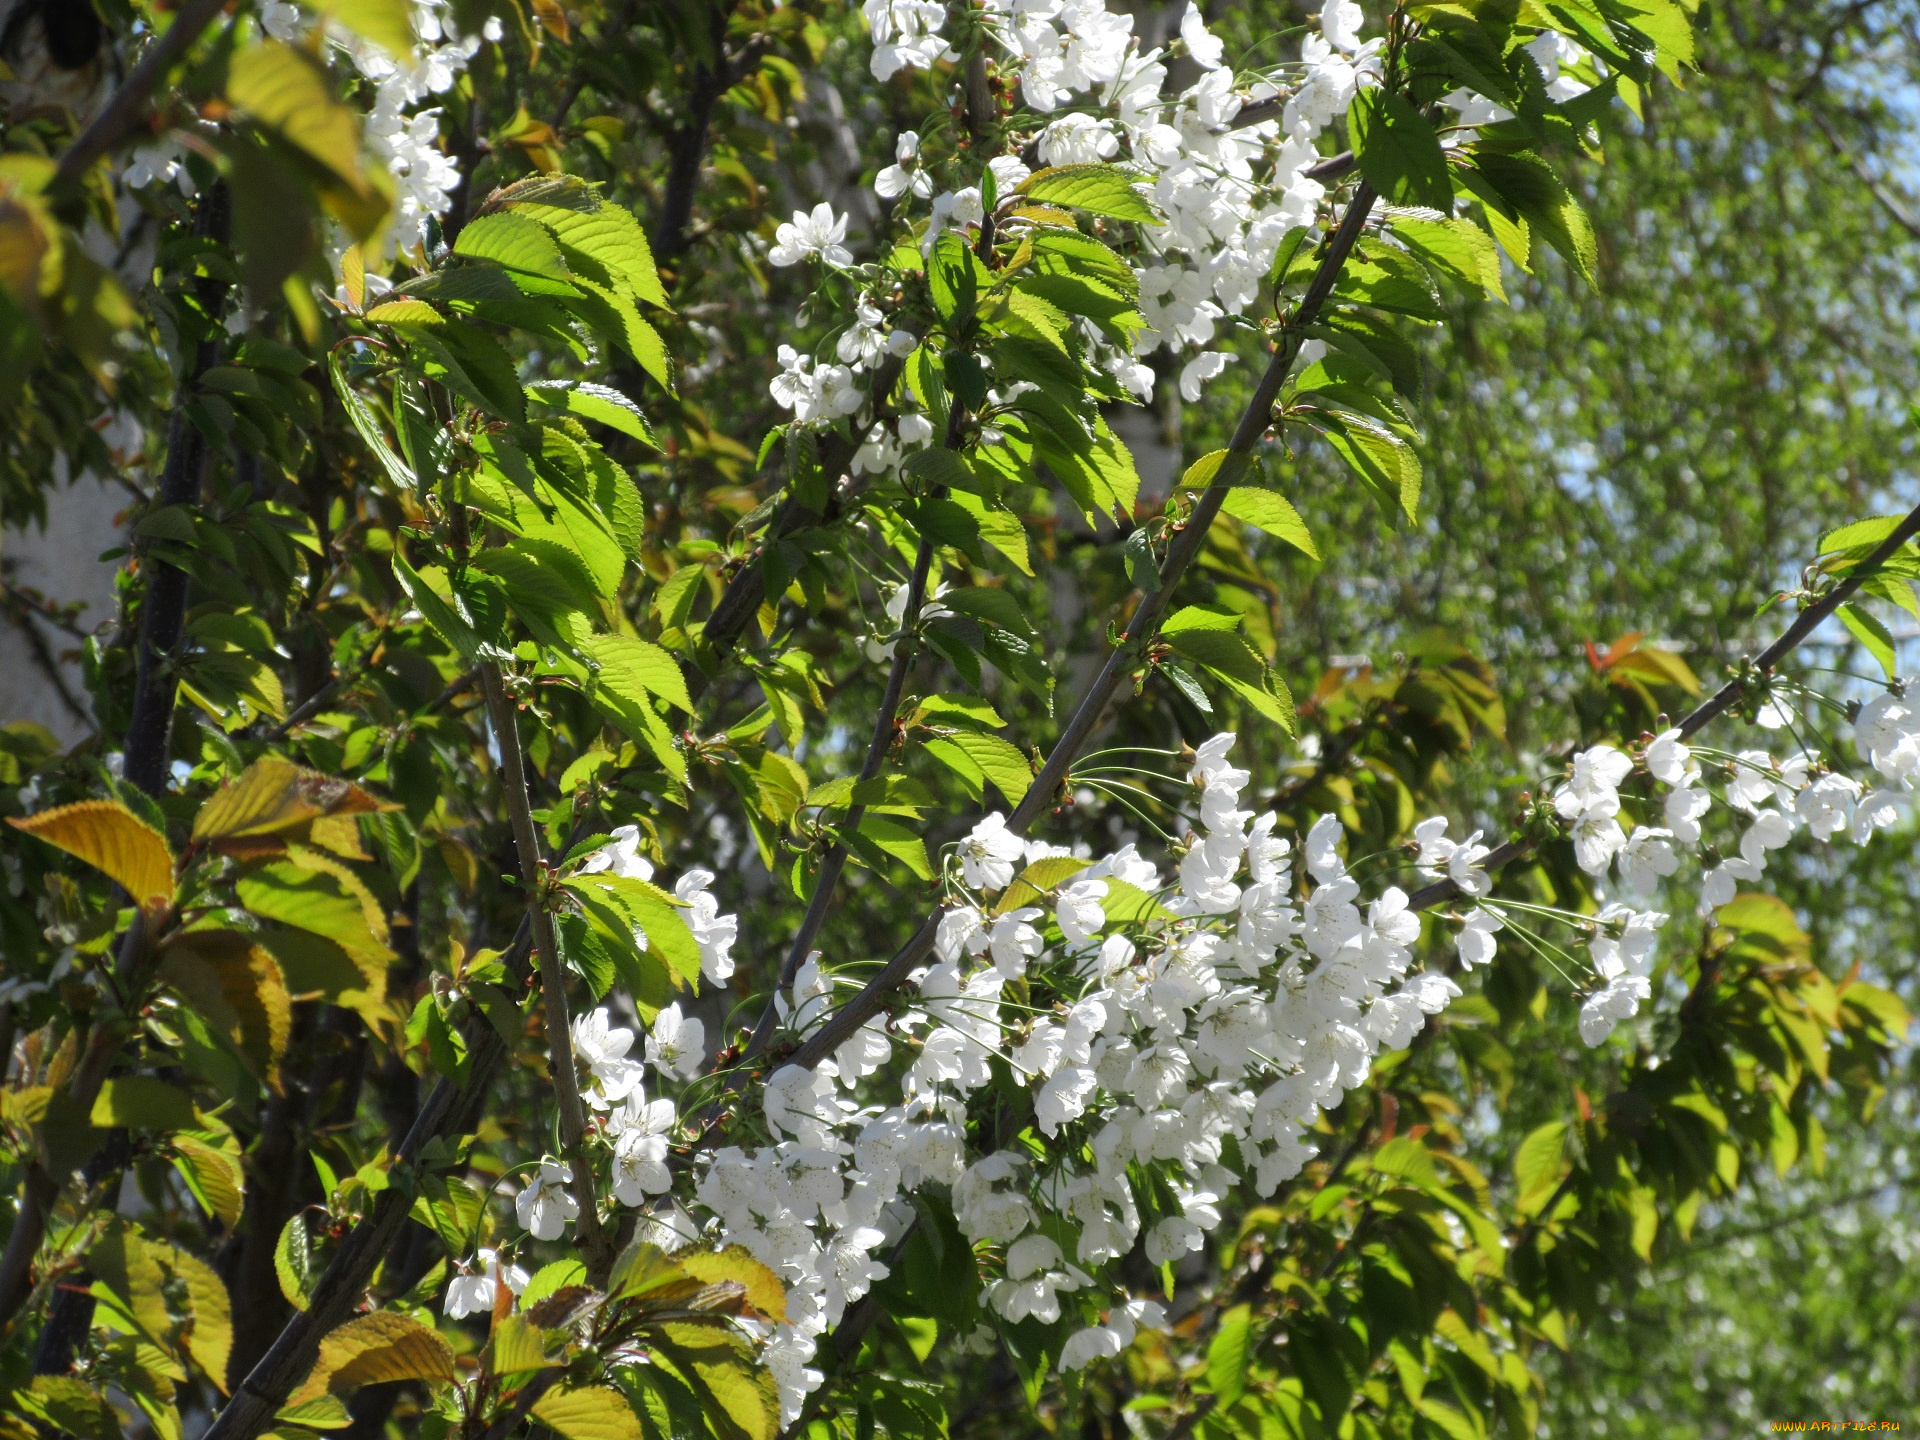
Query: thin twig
<point>1728,695</point>
<point>122,114</point>
<point>553,975</point>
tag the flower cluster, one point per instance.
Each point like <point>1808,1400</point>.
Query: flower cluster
<point>1192,1027</point>
<point>1231,187</point>
<point>399,134</point>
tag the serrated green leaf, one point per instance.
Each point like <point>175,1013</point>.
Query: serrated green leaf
<point>1096,189</point>
<point>1398,151</point>
<point>293,1262</point>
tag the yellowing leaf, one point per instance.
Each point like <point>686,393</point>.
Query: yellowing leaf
<point>519,1346</point>
<point>213,1175</point>
<point>387,23</point>
<point>70,1406</point>
<point>591,1412</point>
<point>271,802</point>
<point>374,1348</point>
<point>209,1326</point>
<point>764,1290</point>
<point>721,1372</point>
<point>234,983</point>
<point>553,20</point>
<point>113,840</point>
<point>1536,1167</point>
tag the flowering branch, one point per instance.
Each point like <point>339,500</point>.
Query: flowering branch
<point>1254,422</point>
<point>1723,699</point>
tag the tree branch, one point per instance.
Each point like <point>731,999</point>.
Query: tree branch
<point>1729,694</point>
<point>163,610</point>
<point>1141,629</point>
<point>162,622</point>
<point>124,110</point>
<point>553,975</point>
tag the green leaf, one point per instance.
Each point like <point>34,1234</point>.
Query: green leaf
<point>514,241</point>
<point>1861,535</point>
<point>1383,460</point>
<point>890,837</point>
<point>1228,1355</point>
<point>434,608</point>
<point>293,1262</point>
<point>1868,630</point>
<point>472,364</point>
<point>1002,529</point>
<point>452,1209</point>
<point>1207,470</point>
<point>1273,513</point>
<point>1096,189</point>
<point>552,1278</point>
<point>364,421</point>
<point>141,1102</point>
<point>1398,151</point>
<point>638,668</point>
<point>316,901</point>
<point>1532,191</point>
<point>651,910</point>
<point>599,403</point>
<point>991,757</point>
<point>1536,1166</point>
<point>602,243</point>
<point>1458,249</point>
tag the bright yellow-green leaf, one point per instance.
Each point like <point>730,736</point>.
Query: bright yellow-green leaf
<point>388,23</point>
<point>1273,513</point>
<point>113,840</point>
<point>374,1348</point>
<point>1037,879</point>
<point>142,1102</point>
<point>588,1412</point>
<point>288,91</point>
<point>764,1290</point>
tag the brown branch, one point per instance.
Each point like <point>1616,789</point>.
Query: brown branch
<point>1888,201</point>
<point>553,975</point>
<point>1728,695</point>
<point>163,609</point>
<point>126,108</point>
<point>1141,629</point>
